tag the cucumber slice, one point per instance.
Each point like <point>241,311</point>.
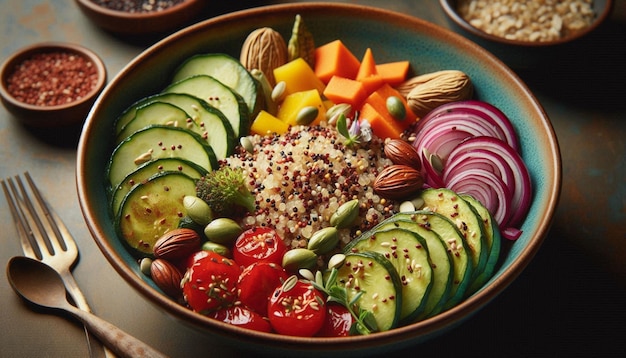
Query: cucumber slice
<point>156,142</point>
<point>371,273</point>
<point>225,69</point>
<point>441,262</point>
<point>409,255</point>
<point>147,170</point>
<point>456,246</point>
<point>211,124</point>
<point>465,217</point>
<point>153,208</point>
<point>219,96</point>
<point>492,234</point>
<point>157,113</point>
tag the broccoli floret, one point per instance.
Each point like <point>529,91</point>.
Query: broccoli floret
<point>225,191</point>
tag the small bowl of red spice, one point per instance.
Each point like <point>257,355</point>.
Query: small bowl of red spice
<point>51,84</point>
<point>141,17</point>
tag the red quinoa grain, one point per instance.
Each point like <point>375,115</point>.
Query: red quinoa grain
<point>52,79</point>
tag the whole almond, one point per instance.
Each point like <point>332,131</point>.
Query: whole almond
<point>398,182</point>
<point>264,49</point>
<point>167,277</point>
<point>177,244</point>
<point>428,91</point>
<point>401,152</point>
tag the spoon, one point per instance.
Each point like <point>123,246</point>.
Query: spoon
<point>42,286</point>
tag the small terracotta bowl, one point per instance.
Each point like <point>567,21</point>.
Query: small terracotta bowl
<point>52,114</point>
<point>141,23</point>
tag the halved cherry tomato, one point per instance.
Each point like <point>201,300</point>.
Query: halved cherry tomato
<point>242,317</point>
<point>297,309</point>
<point>257,282</point>
<point>211,282</point>
<point>338,322</point>
<point>259,244</point>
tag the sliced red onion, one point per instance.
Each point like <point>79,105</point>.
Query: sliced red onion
<point>522,193</point>
<point>487,188</point>
<point>511,233</point>
<point>486,111</point>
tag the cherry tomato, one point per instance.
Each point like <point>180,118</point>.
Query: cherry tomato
<point>257,282</point>
<point>211,282</point>
<point>259,244</point>
<point>242,317</point>
<point>338,322</point>
<point>297,309</point>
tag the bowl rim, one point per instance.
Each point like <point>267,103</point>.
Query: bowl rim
<point>407,333</point>
<point>130,16</point>
<point>450,11</point>
<point>44,47</point>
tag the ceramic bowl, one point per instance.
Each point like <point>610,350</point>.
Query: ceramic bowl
<point>57,115</point>
<point>527,54</point>
<point>428,47</point>
<point>141,23</point>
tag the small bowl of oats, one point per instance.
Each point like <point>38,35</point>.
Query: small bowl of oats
<point>527,23</point>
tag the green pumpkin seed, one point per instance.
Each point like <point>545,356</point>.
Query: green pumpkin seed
<point>345,215</point>
<point>396,108</point>
<point>217,248</point>
<point>307,115</point>
<point>198,210</point>
<point>144,266</point>
<point>296,259</point>
<point>223,231</point>
<point>324,240</point>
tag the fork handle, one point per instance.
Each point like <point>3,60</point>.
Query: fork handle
<point>119,341</point>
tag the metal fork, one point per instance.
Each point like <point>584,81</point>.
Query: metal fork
<point>45,237</point>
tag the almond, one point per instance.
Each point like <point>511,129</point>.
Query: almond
<point>177,244</point>
<point>401,152</point>
<point>398,182</point>
<point>264,49</point>
<point>167,277</point>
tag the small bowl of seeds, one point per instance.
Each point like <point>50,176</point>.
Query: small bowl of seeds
<point>527,23</point>
<point>51,84</point>
<point>141,17</point>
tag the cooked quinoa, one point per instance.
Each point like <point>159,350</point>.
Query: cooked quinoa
<point>301,178</point>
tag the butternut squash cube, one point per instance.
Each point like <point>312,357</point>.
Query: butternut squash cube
<point>295,102</point>
<point>298,76</point>
<point>265,124</point>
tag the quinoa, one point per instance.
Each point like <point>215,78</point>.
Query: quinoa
<point>302,177</point>
<point>534,20</point>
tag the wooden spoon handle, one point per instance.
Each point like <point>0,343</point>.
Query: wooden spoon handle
<point>122,343</point>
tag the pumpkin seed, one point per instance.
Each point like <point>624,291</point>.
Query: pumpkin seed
<point>324,240</point>
<point>278,91</point>
<point>396,107</point>
<point>217,248</point>
<point>198,210</point>
<point>345,214</point>
<point>222,231</point>
<point>407,207</point>
<point>144,266</point>
<point>299,258</point>
<point>336,261</point>
<point>307,115</point>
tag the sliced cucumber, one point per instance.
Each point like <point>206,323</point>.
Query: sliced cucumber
<point>493,239</point>
<point>156,113</point>
<point>408,253</point>
<point>440,258</point>
<point>465,217</point>
<point>457,247</point>
<point>149,169</point>
<point>371,273</point>
<point>225,69</point>
<point>153,208</point>
<point>211,124</point>
<point>156,142</point>
<point>219,96</point>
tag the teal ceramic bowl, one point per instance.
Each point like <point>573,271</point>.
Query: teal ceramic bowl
<point>428,47</point>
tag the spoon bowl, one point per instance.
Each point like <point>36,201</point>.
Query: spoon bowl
<point>41,286</point>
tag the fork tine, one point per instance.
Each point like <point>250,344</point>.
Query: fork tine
<point>19,220</point>
<point>62,234</point>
